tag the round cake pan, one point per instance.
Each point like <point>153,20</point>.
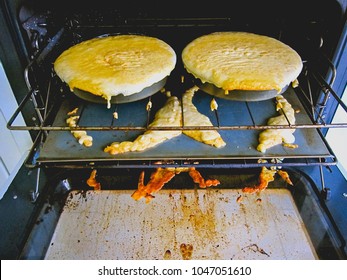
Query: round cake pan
<point>120,98</point>
<point>239,95</point>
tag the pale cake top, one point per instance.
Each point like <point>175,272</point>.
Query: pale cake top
<point>242,61</point>
<point>121,64</point>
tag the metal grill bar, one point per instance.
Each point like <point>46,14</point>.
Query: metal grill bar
<point>250,114</point>
<point>143,128</point>
<point>315,116</point>
<point>327,88</point>
<point>214,164</point>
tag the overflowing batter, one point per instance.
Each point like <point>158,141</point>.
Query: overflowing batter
<point>170,115</point>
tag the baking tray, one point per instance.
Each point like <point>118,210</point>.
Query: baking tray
<point>61,146</point>
<point>211,223</point>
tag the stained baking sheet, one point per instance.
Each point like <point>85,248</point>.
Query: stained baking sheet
<point>61,146</point>
<point>210,223</point>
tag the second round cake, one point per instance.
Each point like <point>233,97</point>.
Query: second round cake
<point>242,61</point>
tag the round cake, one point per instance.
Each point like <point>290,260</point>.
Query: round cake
<point>242,61</point>
<point>113,65</point>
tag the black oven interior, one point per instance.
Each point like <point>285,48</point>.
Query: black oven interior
<point>40,30</point>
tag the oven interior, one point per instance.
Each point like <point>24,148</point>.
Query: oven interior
<point>48,28</point>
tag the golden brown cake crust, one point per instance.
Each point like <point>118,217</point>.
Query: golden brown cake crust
<point>242,61</point>
<point>121,64</point>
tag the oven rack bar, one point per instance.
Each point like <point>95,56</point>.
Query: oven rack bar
<point>180,163</point>
<point>168,128</point>
<point>137,23</point>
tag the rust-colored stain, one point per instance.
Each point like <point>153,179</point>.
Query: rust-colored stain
<point>167,255</point>
<point>199,215</point>
<point>186,251</point>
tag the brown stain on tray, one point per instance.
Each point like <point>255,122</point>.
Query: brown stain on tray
<point>198,213</point>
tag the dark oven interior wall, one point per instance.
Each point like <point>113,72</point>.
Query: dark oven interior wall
<point>299,20</point>
<point>13,51</point>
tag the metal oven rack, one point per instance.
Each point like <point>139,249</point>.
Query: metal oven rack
<point>239,123</point>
